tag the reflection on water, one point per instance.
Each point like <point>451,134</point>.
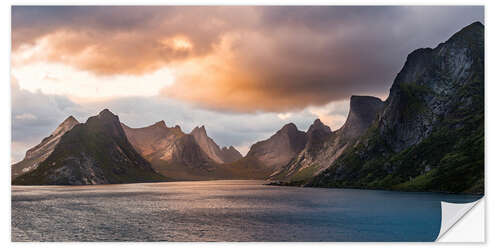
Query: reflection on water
<point>223,211</point>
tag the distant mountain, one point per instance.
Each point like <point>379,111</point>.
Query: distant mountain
<point>230,154</point>
<point>212,149</point>
<point>37,154</point>
<point>280,148</point>
<point>269,156</point>
<point>171,152</point>
<point>181,156</point>
<point>151,140</point>
<point>430,134</point>
<point>96,152</point>
<point>323,146</point>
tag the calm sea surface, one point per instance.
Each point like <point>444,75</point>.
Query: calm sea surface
<point>223,211</point>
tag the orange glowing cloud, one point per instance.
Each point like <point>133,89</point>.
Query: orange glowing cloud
<point>116,53</point>
<point>240,58</point>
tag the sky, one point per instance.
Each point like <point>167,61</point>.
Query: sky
<point>242,71</point>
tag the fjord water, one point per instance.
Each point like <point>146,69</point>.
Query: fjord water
<point>223,211</point>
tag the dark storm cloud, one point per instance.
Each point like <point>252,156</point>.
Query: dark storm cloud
<point>274,58</point>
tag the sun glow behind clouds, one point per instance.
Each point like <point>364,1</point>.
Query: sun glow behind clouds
<point>177,43</point>
<point>54,78</point>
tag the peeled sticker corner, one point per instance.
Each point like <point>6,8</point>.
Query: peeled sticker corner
<point>451,213</point>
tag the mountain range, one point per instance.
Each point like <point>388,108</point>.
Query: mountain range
<point>428,135</point>
<point>94,152</point>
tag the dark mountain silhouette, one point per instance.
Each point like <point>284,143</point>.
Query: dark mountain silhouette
<point>324,146</point>
<point>96,152</point>
<point>430,134</point>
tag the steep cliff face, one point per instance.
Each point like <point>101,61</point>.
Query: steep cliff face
<point>279,149</point>
<point>96,152</point>
<point>425,90</point>
<point>40,152</point>
<point>152,139</point>
<point>362,112</point>
<point>207,144</point>
<point>323,147</point>
<point>213,150</point>
<point>180,156</point>
<point>171,152</point>
<point>430,134</point>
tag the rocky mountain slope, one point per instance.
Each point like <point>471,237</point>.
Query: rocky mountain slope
<point>280,148</point>
<point>171,152</point>
<point>96,152</point>
<point>181,156</point>
<point>212,149</point>
<point>430,134</point>
<point>270,156</point>
<point>150,140</point>
<point>230,154</point>
<point>37,154</point>
<point>323,146</point>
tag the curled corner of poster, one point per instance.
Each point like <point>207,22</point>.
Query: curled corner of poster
<point>462,222</point>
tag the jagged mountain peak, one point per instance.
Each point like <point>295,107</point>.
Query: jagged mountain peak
<point>288,128</point>
<point>280,148</point>
<point>199,129</point>
<point>324,146</point>
<point>66,125</point>
<point>105,112</point>
<point>230,148</point>
<point>317,121</point>
<point>318,126</point>
<point>104,116</point>
<point>207,144</point>
<point>160,124</point>
<point>230,154</point>
<point>178,129</point>
<point>70,119</point>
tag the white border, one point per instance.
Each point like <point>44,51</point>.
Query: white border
<point>492,16</point>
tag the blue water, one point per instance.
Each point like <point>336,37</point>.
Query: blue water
<point>223,211</point>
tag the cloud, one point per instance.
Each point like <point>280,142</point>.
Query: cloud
<point>60,79</point>
<point>239,59</point>
<point>120,39</point>
<point>25,116</point>
<point>333,114</point>
<point>35,115</point>
<point>285,116</point>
